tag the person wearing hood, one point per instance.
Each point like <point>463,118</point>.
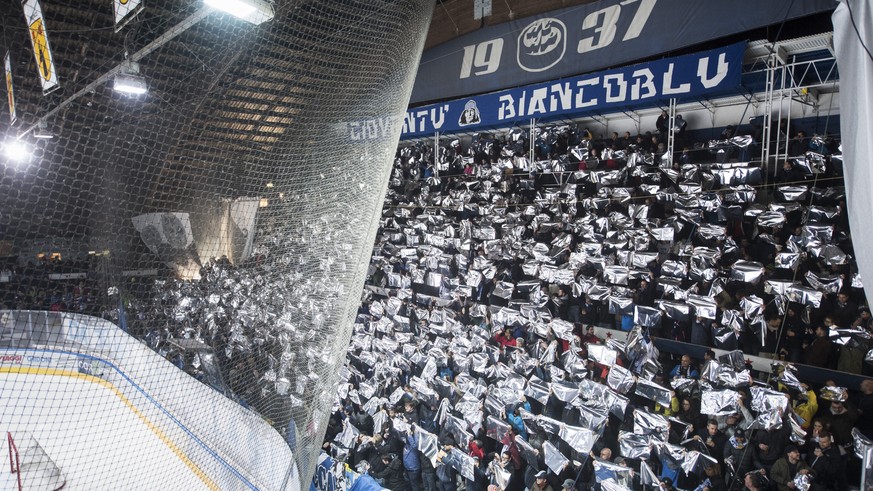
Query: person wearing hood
<point>738,455</point>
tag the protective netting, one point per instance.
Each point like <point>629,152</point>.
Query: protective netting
<point>181,268</point>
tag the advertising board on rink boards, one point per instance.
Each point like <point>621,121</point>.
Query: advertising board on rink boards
<point>589,37</point>
<point>710,72</point>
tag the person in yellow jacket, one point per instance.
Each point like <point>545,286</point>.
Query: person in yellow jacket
<point>669,411</point>
<point>805,405</point>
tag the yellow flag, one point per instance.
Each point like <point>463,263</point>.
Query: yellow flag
<point>7,62</point>
<point>41,50</point>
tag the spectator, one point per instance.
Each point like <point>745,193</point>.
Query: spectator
<point>845,311</point>
<point>480,478</point>
<point>827,464</point>
<point>541,483</point>
<point>788,174</point>
<point>769,446</point>
<point>700,331</point>
<point>819,350</point>
<point>754,481</point>
<point>684,369</point>
<point>865,409</point>
<point>391,475</point>
<point>663,124</point>
<point>797,145</point>
<point>864,320</point>
<point>786,468</point>
<point>841,418</point>
<point>713,480</point>
<point>713,440</point>
<point>411,461</point>
<point>738,455</point>
<point>505,338</point>
<point>805,405</point>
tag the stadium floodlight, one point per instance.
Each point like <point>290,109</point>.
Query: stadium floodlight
<point>254,11</point>
<point>129,83</point>
<point>16,151</point>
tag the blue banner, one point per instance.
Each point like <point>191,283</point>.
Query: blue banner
<point>324,480</point>
<point>711,72</point>
<point>365,483</point>
<point>584,38</point>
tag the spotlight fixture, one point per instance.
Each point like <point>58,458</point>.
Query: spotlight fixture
<point>130,84</point>
<point>16,151</point>
<point>254,11</point>
<point>129,81</point>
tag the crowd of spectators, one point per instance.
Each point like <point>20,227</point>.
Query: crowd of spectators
<point>483,355</point>
<point>50,284</point>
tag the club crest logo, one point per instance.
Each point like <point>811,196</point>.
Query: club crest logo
<point>542,44</point>
<point>470,115</point>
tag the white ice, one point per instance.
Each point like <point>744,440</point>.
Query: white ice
<point>98,441</point>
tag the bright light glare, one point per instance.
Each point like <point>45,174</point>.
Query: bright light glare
<point>254,11</point>
<point>17,151</point>
<point>130,84</point>
<point>236,8</point>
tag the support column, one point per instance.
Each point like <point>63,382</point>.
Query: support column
<point>671,134</point>
<point>436,154</point>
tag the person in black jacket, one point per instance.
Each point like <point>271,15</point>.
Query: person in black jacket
<point>713,480</point>
<point>392,475</point>
<point>738,456</point>
<point>713,440</point>
<point>662,125</point>
<point>769,446</point>
<point>827,463</point>
<point>480,480</point>
<point>845,311</point>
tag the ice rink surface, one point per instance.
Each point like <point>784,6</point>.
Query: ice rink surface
<point>97,438</point>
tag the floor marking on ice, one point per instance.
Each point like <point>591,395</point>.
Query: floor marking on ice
<point>97,380</point>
